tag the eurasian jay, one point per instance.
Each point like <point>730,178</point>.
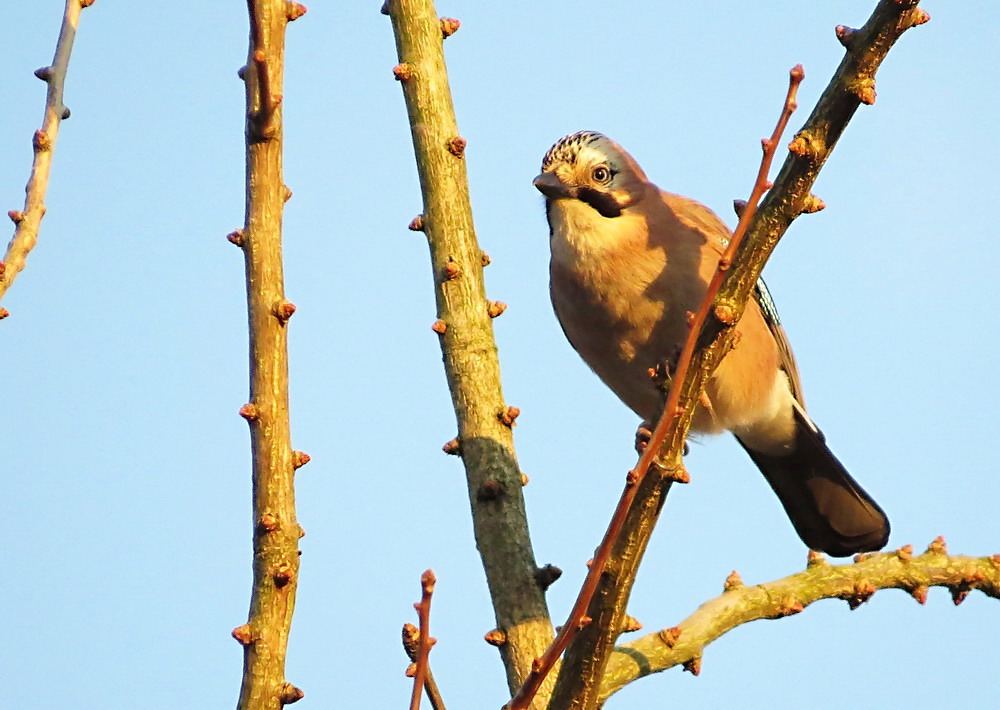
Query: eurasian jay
<point>629,261</point>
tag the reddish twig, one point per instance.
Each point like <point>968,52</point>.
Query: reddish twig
<point>28,220</point>
<point>577,618</point>
<point>760,186</point>
<point>424,641</point>
<point>411,638</point>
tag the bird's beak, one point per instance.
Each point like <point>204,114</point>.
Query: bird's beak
<point>553,188</point>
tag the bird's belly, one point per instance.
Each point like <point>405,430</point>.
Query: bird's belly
<point>740,394</point>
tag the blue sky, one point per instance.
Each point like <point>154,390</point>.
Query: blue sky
<point>126,467</point>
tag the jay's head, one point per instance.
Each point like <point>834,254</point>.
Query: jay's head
<point>591,168</point>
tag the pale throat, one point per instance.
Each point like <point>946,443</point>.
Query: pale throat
<point>611,259</point>
<point>582,238</point>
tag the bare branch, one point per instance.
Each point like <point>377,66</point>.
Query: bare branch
<point>411,641</point>
<point>854,583</point>
<point>422,669</point>
<point>276,530</point>
<point>28,220</point>
<point>465,327</point>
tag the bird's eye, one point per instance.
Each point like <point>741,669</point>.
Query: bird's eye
<point>601,174</point>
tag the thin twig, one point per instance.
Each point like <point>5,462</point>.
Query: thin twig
<point>424,640</point>
<point>28,220</point>
<point>672,409</point>
<point>276,531</point>
<point>854,583</point>
<point>411,636</point>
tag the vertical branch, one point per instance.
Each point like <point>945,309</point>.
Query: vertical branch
<point>464,324</point>
<point>411,644</point>
<point>276,531</point>
<point>422,670</point>
<point>28,220</point>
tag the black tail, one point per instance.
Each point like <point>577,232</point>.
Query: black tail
<point>830,511</point>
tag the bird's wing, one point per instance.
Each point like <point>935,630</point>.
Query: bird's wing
<point>770,311</point>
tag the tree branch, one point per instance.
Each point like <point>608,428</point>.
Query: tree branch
<point>854,583</point>
<point>421,661</point>
<point>464,324</point>
<point>411,644</point>
<point>276,531</point>
<point>28,220</point>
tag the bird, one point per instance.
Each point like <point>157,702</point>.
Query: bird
<point>629,263</point>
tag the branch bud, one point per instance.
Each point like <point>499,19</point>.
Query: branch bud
<point>508,416</point>
<point>669,636</point>
<point>283,310</point>
<point>290,694</point>
<point>243,635</point>
<point>449,26</point>
<point>546,576</point>
<point>283,574</point>
<point>812,204</point>
<point>630,624</point>
<point>733,582</point>
<point>496,637</point>
<point>403,71</point>
<point>456,146</point>
<point>693,666</point>
<point>296,10</point>
<point>937,547</point>
<point>40,141</point>
<point>846,35</point>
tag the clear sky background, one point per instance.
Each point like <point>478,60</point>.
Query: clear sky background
<point>125,467</point>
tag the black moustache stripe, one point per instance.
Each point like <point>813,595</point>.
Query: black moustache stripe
<point>604,203</point>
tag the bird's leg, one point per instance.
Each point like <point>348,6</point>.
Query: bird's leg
<point>661,375</point>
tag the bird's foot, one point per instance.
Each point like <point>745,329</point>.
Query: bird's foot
<point>642,436</point>
<point>644,433</point>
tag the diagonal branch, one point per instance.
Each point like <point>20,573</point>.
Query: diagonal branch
<point>276,531</point>
<point>465,326</point>
<point>854,583</point>
<point>28,220</point>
